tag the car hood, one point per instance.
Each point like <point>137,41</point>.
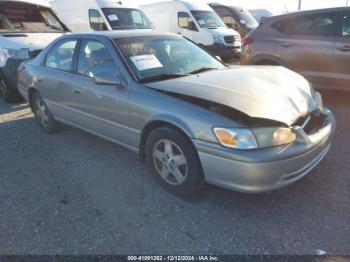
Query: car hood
<point>30,41</point>
<point>267,92</point>
<point>222,31</point>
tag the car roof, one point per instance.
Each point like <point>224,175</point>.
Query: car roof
<point>308,12</point>
<point>124,34</point>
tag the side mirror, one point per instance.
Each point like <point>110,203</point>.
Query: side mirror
<point>108,78</point>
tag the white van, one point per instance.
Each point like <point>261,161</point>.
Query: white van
<point>197,22</point>
<point>100,15</point>
<point>26,27</point>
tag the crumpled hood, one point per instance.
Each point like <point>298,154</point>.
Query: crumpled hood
<point>268,92</point>
<point>32,41</point>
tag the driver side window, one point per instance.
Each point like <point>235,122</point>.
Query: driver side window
<point>95,58</point>
<point>185,21</point>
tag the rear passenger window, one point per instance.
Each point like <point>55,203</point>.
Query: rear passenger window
<point>281,26</point>
<point>346,25</point>
<point>96,21</point>
<point>94,58</point>
<point>321,25</point>
<point>61,56</point>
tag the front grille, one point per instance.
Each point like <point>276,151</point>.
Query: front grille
<point>313,122</point>
<point>34,53</point>
<point>230,39</point>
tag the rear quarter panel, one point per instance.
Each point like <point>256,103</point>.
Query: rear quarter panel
<point>25,78</point>
<point>264,45</point>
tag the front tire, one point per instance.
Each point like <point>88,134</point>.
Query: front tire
<point>9,93</point>
<point>42,114</point>
<point>174,162</point>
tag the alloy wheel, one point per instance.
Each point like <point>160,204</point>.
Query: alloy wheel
<point>170,162</point>
<point>41,112</point>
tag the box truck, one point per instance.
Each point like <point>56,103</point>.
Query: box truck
<point>26,27</point>
<point>196,21</point>
<point>100,15</point>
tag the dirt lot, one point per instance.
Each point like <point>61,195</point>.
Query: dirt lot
<point>73,193</point>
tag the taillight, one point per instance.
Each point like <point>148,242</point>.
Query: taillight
<point>247,41</point>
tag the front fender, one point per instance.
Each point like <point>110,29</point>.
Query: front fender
<point>172,120</point>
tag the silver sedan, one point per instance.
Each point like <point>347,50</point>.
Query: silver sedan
<point>188,116</point>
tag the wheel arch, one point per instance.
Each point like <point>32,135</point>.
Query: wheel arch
<point>31,92</point>
<point>266,60</point>
<point>158,123</point>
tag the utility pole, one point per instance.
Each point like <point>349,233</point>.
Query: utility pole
<point>299,7</point>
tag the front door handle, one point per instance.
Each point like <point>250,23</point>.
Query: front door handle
<point>345,48</point>
<point>77,91</point>
<point>285,44</point>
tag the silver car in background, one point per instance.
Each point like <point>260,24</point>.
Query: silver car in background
<point>191,118</point>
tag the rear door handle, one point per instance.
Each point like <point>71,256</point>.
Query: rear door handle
<point>76,91</point>
<point>345,48</point>
<point>285,44</point>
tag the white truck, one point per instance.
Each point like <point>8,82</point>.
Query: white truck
<point>198,22</point>
<point>26,27</point>
<point>100,15</point>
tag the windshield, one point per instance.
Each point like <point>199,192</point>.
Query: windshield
<point>24,17</point>
<point>208,19</point>
<point>244,17</point>
<point>126,18</point>
<point>164,57</point>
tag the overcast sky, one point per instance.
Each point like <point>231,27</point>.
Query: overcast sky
<point>270,4</point>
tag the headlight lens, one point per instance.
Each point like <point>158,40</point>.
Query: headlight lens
<point>238,138</point>
<point>268,137</point>
<point>218,39</point>
<point>242,138</point>
<point>6,53</point>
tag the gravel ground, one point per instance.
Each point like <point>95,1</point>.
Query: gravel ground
<point>74,193</point>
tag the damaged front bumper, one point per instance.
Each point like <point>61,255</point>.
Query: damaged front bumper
<point>263,170</point>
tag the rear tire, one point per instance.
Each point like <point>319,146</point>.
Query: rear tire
<point>42,114</point>
<point>174,162</point>
<point>9,93</point>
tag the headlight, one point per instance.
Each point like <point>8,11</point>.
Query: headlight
<point>218,39</point>
<point>6,53</point>
<point>242,138</point>
<point>319,101</point>
<point>238,138</point>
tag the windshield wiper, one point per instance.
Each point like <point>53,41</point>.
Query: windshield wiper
<point>203,69</point>
<point>161,77</point>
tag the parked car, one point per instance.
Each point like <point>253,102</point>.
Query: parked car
<point>236,17</point>
<point>193,120</point>
<point>26,27</point>
<point>198,22</point>
<point>261,14</point>
<point>313,43</point>
<point>100,15</point>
